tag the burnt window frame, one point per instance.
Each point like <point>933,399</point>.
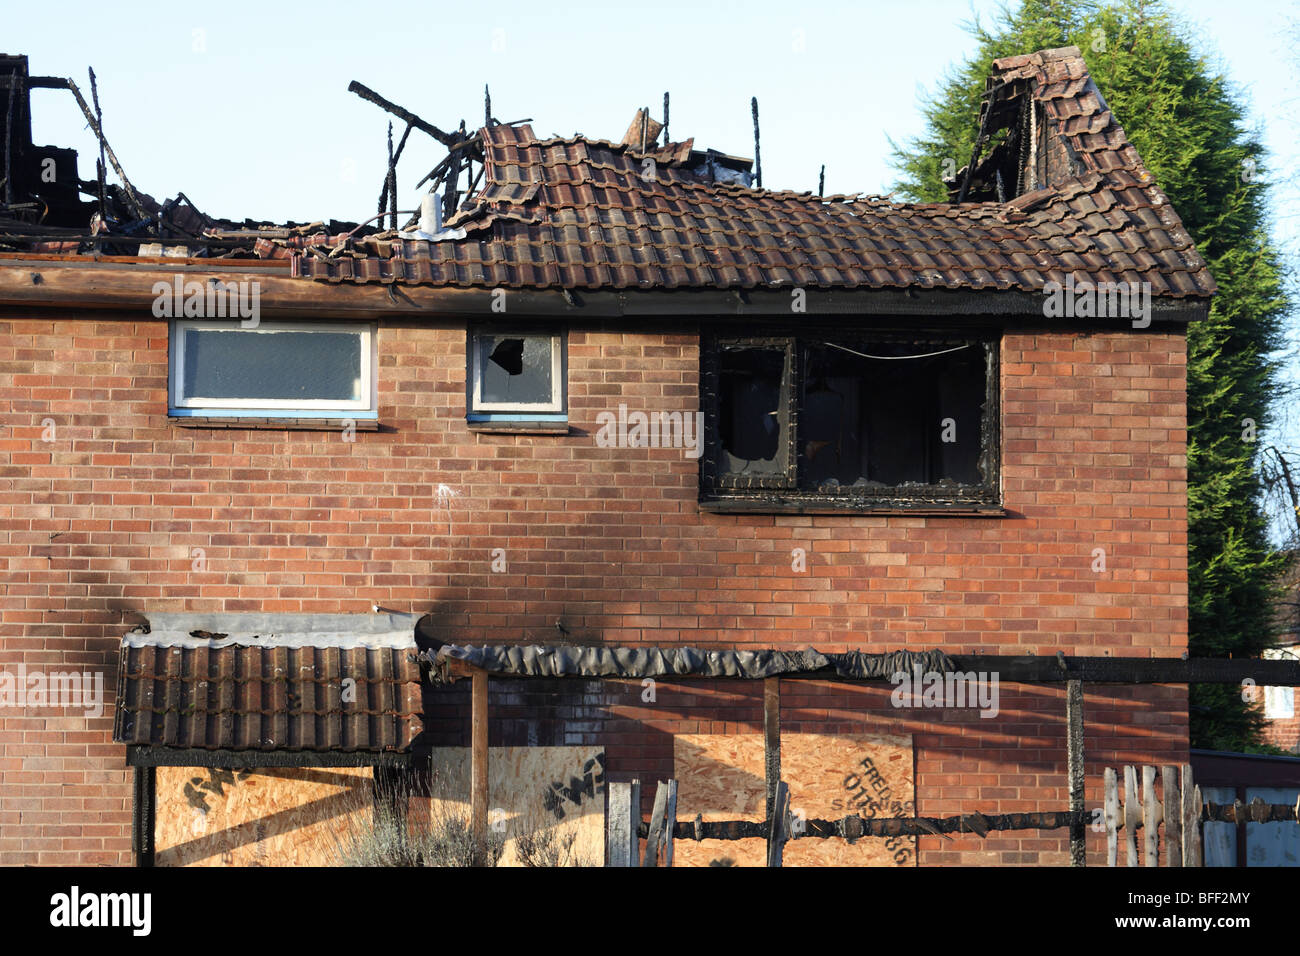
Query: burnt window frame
<point>721,491</point>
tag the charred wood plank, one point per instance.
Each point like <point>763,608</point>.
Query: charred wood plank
<point>370,96</point>
<point>624,818</point>
<point>1111,784</point>
<point>479,764</point>
<point>143,816</point>
<point>1074,768</point>
<point>1191,818</point>
<point>132,198</point>
<point>1131,816</point>
<point>1150,818</point>
<point>778,825</point>
<point>663,826</point>
<point>772,740</point>
<point>854,827</point>
<point>1173,808</point>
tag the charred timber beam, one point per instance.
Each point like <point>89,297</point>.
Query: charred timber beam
<point>9,140</point>
<point>1129,670</point>
<point>134,200</point>
<point>1257,811</point>
<point>772,740</point>
<point>975,153</point>
<point>1075,770</point>
<point>853,827</point>
<point>143,816</point>
<point>143,755</point>
<point>1022,670</point>
<point>370,96</point>
<point>1108,670</point>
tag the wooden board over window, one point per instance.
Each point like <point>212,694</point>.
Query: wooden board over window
<point>721,776</point>
<point>555,791</point>
<point>265,817</point>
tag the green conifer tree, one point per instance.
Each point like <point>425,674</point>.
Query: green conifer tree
<point>1189,127</point>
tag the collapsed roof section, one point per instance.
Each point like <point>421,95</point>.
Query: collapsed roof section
<point>1058,129</point>
<point>44,209</point>
<point>1062,195</point>
<point>1065,195</point>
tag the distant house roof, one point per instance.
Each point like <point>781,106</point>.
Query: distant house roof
<point>584,214</point>
<point>298,682</point>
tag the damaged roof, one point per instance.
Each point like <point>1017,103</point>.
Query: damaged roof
<point>264,682</point>
<point>1054,191</point>
<point>582,214</point>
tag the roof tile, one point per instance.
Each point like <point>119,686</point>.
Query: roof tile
<point>577,213</point>
<point>268,698</point>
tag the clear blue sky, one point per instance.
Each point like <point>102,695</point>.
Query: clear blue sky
<point>244,107</point>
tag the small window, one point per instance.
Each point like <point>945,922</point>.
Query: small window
<point>855,422</point>
<point>516,375</point>
<point>273,369</point>
<point>1279,702</point>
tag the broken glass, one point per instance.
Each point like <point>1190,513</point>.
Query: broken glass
<point>890,414</point>
<point>753,411</point>
<point>516,369</point>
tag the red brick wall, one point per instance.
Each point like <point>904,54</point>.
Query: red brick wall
<point>100,524</point>
<point>1281,732</point>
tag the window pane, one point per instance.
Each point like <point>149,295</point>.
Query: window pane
<point>272,365</point>
<point>753,419</point>
<point>516,369</point>
<point>878,414</point>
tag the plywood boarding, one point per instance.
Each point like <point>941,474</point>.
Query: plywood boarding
<point>554,790</point>
<point>268,817</point>
<point>721,777</point>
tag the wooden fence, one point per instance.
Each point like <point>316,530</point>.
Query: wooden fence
<point>1179,807</point>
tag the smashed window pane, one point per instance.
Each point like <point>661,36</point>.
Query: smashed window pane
<point>515,369</point>
<point>753,415</point>
<point>272,365</point>
<point>879,415</point>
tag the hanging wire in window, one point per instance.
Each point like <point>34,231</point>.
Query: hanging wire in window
<point>895,358</point>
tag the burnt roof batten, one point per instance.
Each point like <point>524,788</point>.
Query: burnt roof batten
<point>975,152</point>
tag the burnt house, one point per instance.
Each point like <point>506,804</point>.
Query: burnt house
<point>613,425</point>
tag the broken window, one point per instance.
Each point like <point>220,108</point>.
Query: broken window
<point>223,368</point>
<point>754,414</point>
<point>516,373</point>
<point>857,420</point>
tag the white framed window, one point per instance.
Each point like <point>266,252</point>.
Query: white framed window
<point>516,373</point>
<point>285,369</point>
<point>1279,702</point>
